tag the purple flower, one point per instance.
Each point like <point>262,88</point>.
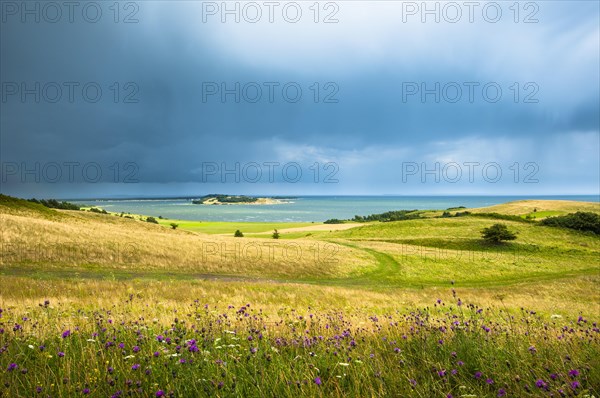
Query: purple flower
<point>12,367</point>
<point>442,372</point>
<point>156,353</point>
<point>573,373</point>
<point>540,383</point>
<point>136,349</point>
<point>61,354</point>
<point>318,381</point>
<point>532,350</point>
<point>66,333</point>
<point>575,385</point>
<point>86,391</point>
<point>477,375</point>
<point>135,367</point>
<point>502,392</point>
<point>413,382</point>
<point>490,381</point>
<point>160,393</point>
<point>253,350</point>
<point>160,338</point>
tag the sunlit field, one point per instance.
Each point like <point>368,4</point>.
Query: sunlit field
<point>100,305</point>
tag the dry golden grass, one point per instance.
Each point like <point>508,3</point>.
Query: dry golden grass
<point>521,207</point>
<point>88,240</point>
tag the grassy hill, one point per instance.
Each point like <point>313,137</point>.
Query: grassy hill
<point>414,308</point>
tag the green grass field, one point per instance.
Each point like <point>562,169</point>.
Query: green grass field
<point>100,305</point>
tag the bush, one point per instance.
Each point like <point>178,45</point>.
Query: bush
<point>333,221</point>
<point>397,215</point>
<point>151,220</point>
<point>55,204</point>
<point>275,235</point>
<point>238,234</point>
<point>580,221</point>
<point>497,233</point>
<point>174,225</point>
<point>97,210</point>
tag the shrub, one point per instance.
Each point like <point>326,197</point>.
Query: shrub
<point>333,221</point>
<point>497,233</point>
<point>275,235</point>
<point>580,221</point>
<point>238,234</point>
<point>151,220</point>
<point>174,225</point>
<point>97,210</point>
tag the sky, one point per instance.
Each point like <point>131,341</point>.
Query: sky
<point>184,98</point>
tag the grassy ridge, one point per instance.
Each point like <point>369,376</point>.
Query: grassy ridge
<point>410,308</point>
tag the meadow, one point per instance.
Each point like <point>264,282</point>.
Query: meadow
<point>100,305</point>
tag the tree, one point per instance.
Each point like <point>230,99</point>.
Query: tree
<point>173,225</point>
<point>275,235</point>
<point>497,233</point>
<point>151,220</point>
<point>238,234</point>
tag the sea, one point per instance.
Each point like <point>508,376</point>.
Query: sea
<point>305,208</point>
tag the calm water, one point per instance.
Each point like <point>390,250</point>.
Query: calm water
<point>307,208</point>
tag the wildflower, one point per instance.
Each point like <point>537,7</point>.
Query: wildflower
<point>135,366</point>
<point>477,375</point>
<point>12,367</point>
<point>573,373</point>
<point>66,333</point>
<point>442,372</point>
<point>489,381</point>
<point>575,385</point>
<point>318,381</point>
<point>156,353</point>
<point>541,383</point>
<point>61,354</point>
<point>502,392</point>
<point>253,350</point>
<point>413,382</point>
<point>86,391</point>
<point>532,350</point>
<point>136,349</point>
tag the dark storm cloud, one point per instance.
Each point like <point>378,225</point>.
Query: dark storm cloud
<point>170,56</point>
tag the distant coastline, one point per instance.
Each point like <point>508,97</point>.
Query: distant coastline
<point>220,199</point>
